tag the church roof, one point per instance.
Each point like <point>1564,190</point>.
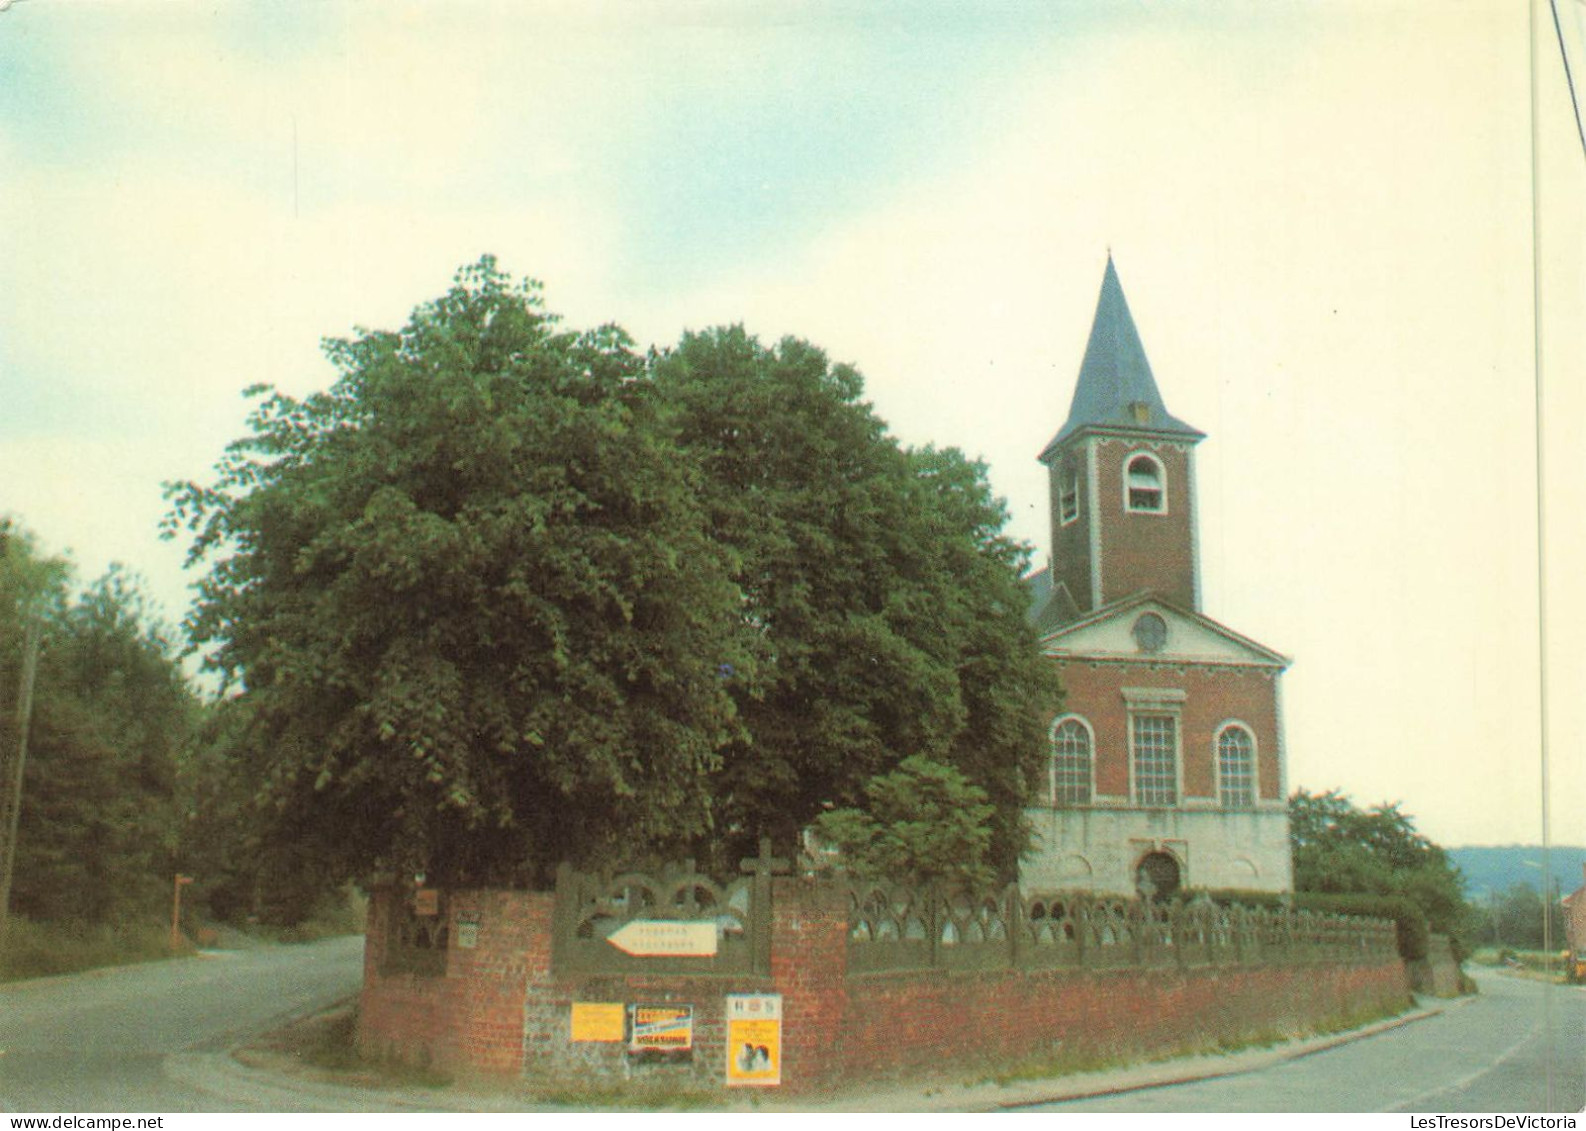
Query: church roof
<point>1051,604</point>
<point>1115,389</point>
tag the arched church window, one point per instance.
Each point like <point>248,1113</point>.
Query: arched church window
<point>1236,767</point>
<point>1145,484</point>
<point>1071,762</point>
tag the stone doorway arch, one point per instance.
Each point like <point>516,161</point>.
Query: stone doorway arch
<point>1158,876</point>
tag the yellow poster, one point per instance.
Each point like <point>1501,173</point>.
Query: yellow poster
<point>754,1039</point>
<point>597,1021</point>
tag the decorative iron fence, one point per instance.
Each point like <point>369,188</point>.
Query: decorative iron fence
<point>678,922</point>
<point>895,928</point>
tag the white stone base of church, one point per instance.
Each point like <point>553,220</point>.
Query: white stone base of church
<point>1101,850</point>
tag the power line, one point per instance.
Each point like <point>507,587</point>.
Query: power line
<point>1569,77</point>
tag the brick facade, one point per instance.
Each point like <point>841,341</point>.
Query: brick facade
<point>1212,697</point>
<point>1575,930</point>
<point>1137,551</point>
<point>500,1009</point>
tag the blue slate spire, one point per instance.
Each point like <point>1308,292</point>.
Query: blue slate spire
<point>1115,390</point>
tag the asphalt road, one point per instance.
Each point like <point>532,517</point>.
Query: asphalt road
<point>1519,1046</point>
<point>101,1041</point>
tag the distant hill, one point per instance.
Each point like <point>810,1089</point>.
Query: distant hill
<point>1489,869</point>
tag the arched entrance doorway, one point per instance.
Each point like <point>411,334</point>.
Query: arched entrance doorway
<point>1157,876</point>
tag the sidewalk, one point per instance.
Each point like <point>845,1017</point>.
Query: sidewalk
<point>284,1087</point>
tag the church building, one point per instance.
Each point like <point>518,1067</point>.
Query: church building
<point>1166,766</point>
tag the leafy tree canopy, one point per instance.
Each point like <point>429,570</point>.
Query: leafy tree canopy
<point>470,597</point>
<point>508,594</point>
<point>922,823</point>
<point>1341,849</point>
<point>883,598</point>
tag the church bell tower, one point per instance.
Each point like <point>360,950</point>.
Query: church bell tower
<point>1122,475</point>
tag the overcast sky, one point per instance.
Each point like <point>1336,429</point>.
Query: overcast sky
<point>1321,215</point>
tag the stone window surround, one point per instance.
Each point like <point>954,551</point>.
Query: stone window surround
<point>1052,796</point>
<point>1156,701</point>
<point>1129,461</point>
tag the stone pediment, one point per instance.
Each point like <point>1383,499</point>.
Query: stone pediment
<point>1149,629</point>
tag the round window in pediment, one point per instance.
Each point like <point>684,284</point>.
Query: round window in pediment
<point>1150,633</point>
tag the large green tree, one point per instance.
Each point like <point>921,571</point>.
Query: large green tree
<point>508,594</point>
<point>470,599</point>
<point>1340,849</point>
<point>882,595</point>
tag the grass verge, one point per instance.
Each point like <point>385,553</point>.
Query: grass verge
<point>38,950</point>
<point>1074,1061</point>
<point>632,1096</point>
<point>324,1047</point>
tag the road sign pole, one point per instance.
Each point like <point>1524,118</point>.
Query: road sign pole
<point>176,910</point>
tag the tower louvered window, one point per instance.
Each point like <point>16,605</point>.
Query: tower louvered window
<point>1145,487</point>
<point>1068,498</point>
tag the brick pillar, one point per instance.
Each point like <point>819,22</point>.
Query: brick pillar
<point>490,981</point>
<point>809,966</point>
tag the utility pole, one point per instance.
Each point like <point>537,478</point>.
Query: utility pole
<point>11,808</point>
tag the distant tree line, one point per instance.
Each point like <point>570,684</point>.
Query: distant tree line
<point>1513,919</point>
<point>1375,862</point>
<point>103,800</point>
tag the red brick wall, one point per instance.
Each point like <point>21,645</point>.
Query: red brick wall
<point>500,1009</point>
<point>471,1019</point>
<point>1213,695</point>
<point>1071,543</point>
<point>1138,551</point>
<point>904,1023</point>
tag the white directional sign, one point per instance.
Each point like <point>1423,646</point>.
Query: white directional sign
<point>658,938</point>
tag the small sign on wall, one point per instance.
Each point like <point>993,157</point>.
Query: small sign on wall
<point>754,1039</point>
<point>657,938</point>
<point>598,1021</point>
<point>467,933</point>
<point>427,901</point>
<point>661,1028</point>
